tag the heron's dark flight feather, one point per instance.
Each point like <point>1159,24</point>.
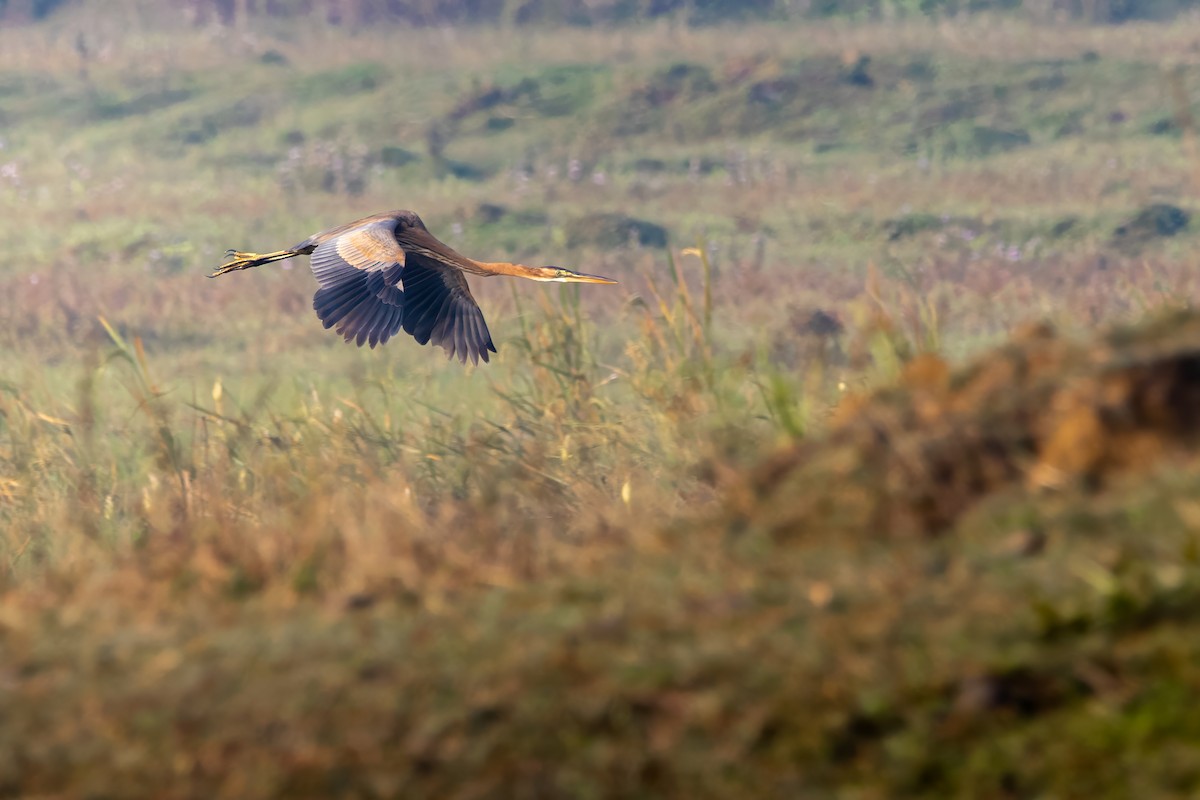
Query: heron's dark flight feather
<point>357,272</point>
<point>370,288</point>
<point>439,308</point>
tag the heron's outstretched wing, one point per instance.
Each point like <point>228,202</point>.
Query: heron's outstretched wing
<point>358,270</point>
<point>439,308</point>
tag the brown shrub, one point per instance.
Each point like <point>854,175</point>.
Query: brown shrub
<point>1041,412</point>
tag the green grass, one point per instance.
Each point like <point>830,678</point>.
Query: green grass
<point>670,542</point>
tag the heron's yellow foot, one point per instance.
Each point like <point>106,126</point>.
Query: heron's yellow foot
<point>247,260</point>
<point>240,261</point>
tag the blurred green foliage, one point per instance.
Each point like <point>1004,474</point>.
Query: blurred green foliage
<point>608,12</point>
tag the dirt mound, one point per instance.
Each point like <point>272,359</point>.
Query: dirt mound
<point>1040,412</point>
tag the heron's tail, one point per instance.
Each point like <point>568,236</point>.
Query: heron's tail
<point>247,260</point>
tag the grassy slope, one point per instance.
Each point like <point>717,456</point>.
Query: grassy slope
<point>362,573</point>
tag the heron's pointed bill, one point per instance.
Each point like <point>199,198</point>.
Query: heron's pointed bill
<point>567,276</point>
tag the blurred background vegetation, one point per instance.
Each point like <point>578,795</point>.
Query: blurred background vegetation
<point>619,12</point>
<point>839,494</point>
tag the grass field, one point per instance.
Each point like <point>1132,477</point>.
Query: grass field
<point>840,493</point>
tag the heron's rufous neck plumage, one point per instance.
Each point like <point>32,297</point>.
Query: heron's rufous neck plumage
<point>504,268</point>
<point>421,241</point>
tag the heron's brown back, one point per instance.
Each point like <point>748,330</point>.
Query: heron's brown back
<point>402,217</point>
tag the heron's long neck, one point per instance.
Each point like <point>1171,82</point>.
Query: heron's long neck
<point>501,268</point>
<point>431,247</point>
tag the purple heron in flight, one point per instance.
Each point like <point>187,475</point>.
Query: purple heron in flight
<point>387,272</point>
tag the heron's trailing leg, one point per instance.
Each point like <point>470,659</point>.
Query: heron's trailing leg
<point>247,260</point>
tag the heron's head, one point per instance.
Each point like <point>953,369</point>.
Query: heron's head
<point>561,275</point>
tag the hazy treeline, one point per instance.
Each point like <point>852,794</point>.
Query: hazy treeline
<point>589,12</point>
